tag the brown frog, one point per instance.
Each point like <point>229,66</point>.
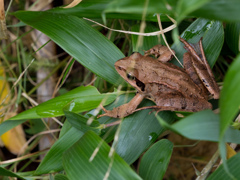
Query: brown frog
<point>169,86</point>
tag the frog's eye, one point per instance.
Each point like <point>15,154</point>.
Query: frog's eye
<point>130,77</point>
<point>120,68</point>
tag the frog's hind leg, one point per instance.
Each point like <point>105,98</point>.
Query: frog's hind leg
<point>202,67</point>
<point>188,66</point>
<point>177,102</point>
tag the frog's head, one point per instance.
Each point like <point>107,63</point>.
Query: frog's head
<point>128,68</point>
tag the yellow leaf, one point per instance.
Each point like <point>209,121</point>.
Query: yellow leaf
<point>14,139</point>
<point>230,151</point>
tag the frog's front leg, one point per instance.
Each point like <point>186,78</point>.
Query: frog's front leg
<point>125,109</point>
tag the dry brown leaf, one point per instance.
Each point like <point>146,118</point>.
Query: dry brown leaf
<point>3,29</point>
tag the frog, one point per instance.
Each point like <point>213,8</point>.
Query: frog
<point>169,86</point>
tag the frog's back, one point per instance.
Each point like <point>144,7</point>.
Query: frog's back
<point>152,71</point>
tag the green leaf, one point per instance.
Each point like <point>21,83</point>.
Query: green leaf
<point>78,100</point>
<point>223,10</point>
<point>82,161</point>
<point>5,172</point>
<point>229,97</point>
<point>79,39</point>
<point>233,36</point>
<point>213,38</point>
<point>155,161</point>
<point>233,166</point>
<point>52,162</point>
<point>137,131</point>
<point>202,125</point>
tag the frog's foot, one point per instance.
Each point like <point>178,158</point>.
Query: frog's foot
<point>125,109</point>
<point>107,112</point>
<point>119,112</point>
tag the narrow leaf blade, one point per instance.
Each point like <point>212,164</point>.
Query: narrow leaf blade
<point>84,43</point>
<point>233,166</point>
<point>230,100</point>
<point>155,161</point>
<point>52,162</point>
<point>203,125</point>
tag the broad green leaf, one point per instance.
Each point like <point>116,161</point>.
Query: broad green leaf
<point>155,161</point>
<point>233,36</point>
<point>233,166</point>
<point>79,39</point>
<point>80,122</point>
<point>203,125</point>
<point>213,37</point>
<point>78,100</point>
<point>223,10</point>
<point>139,131</point>
<point>82,161</point>
<point>229,97</point>
<point>5,172</point>
<point>52,162</point>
